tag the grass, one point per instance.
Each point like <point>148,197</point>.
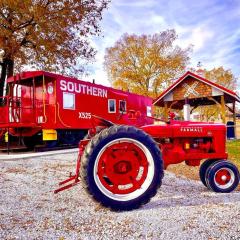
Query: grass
<point>233,148</point>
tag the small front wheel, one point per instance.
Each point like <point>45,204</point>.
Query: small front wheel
<point>222,176</point>
<point>203,170</point>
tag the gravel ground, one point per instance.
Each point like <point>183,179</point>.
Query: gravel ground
<point>182,209</point>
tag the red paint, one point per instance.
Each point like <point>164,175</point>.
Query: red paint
<point>121,163</point>
<point>207,141</point>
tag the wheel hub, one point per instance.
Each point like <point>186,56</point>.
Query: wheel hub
<point>223,177</point>
<point>122,167</point>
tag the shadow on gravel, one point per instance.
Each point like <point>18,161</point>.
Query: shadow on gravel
<point>184,192</point>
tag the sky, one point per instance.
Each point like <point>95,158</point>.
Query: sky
<point>211,26</point>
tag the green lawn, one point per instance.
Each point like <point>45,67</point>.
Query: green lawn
<point>233,148</point>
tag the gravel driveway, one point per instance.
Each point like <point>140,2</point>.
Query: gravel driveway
<point>182,209</point>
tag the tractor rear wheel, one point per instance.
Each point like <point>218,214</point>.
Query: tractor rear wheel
<point>203,169</point>
<point>222,176</point>
<point>122,167</point>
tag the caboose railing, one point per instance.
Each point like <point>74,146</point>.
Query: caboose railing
<point>13,111</point>
<point>4,110</point>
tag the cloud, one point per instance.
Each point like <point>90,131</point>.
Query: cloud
<point>213,27</point>
<point>198,36</point>
<point>136,3</point>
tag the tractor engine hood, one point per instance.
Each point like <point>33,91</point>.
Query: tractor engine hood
<point>184,129</point>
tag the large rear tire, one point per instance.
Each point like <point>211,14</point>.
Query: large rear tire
<point>122,167</point>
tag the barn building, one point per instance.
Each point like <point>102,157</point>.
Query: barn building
<point>191,91</point>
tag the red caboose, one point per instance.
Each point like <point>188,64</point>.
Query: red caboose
<point>42,106</point>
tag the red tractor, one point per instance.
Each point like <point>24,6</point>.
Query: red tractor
<point>122,166</point>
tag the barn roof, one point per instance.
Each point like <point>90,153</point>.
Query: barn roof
<point>197,77</point>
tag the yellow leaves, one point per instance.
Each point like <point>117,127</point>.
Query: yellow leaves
<point>145,63</point>
<point>50,34</point>
<point>222,77</point>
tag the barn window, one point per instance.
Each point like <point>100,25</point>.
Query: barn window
<point>122,106</point>
<point>111,105</point>
<point>69,100</point>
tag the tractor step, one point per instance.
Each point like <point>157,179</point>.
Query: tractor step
<point>71,178</point>
<point>74,178</point>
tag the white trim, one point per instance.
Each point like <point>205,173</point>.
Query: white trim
<point>168,97</point>
<point>144,186</point>
<point>216,92</point>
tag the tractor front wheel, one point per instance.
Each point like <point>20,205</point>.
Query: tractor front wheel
<point>222,176</point>
<point>203,169</point>
<point>122,168</point>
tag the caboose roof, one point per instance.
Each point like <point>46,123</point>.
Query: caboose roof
<point>30,74</point>
<point>199,78</point>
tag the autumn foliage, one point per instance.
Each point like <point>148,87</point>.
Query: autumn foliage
<point>49,34</point>
<point>222,77</point>
<point>145,64</point>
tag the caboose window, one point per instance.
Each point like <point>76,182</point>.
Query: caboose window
<point>122,106</point>
<point>111,105</point>
<point>69,100</point>
<point>149,111</point>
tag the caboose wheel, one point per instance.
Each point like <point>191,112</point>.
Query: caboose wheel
<point>31,142</point>
<point>203,169</point>
<point>222,176</point>
<point>122,167</point>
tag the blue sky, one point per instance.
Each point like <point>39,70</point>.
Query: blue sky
<point>211,26</point>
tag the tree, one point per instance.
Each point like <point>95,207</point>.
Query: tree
<point>222,77</point>
<point>49,34</point>
<point>145,64</point>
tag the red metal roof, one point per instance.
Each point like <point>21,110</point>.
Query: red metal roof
<point>30,74</point>
<point>188,73</point>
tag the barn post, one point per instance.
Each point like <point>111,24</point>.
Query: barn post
<point>234,119</point>
<point>165,111</point>
<point>186,110</point>
<point>223,109</point>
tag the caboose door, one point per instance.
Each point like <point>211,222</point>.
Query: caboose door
<point>14,104</point>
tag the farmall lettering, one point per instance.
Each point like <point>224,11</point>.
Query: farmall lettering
<point>82,88</point>
<point>191,89</point>
<point>191,129</point>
